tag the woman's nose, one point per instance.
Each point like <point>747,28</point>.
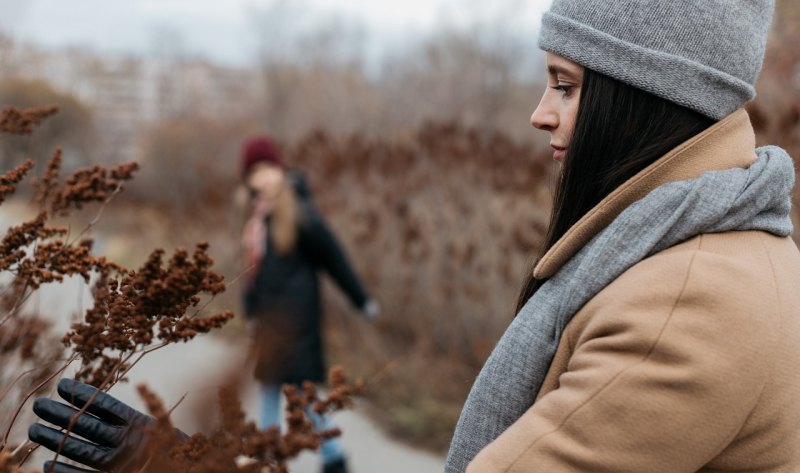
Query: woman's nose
<point>544,118</point>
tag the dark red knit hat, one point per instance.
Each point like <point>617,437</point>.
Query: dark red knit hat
<point>260,150</point>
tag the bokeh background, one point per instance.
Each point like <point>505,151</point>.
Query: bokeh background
<point>410,120</point>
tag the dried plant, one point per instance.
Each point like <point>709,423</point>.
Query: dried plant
<point>22,121</point>
<point>142,311</point>
<point>134,312</point>
<point>9,180</point>
<point>237,444</point>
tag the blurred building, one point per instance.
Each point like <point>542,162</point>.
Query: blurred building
<point>129,95</point>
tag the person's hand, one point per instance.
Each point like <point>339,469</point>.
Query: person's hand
<point>371,309</point>
<point>114,430</point>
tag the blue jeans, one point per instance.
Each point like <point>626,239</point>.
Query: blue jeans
<point>270,416</point>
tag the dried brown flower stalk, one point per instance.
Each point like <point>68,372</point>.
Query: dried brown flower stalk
<point>135,312</point>
<point>91,184</point>
<point>32,254</point>
<point>237,444</point>
<point>21,121</point>
<point>49,181</point>
<point>139,308</point>
<point>9,180</point>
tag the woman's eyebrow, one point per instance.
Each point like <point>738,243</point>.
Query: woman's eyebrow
<point>554,70</point>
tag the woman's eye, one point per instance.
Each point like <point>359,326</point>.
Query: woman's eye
<point>564,89</point>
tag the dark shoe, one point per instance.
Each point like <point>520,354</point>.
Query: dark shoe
<point>336,466</point>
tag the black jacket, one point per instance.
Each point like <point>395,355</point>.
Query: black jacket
<point>285,300</point>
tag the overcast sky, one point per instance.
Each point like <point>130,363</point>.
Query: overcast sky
<point>224,30</point>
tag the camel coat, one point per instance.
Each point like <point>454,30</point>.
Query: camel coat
<point>688,362</point>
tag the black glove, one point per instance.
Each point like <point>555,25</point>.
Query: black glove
<point>114,430</point>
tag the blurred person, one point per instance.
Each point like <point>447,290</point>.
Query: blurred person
<point>660,330</point>
<point>286,243</point>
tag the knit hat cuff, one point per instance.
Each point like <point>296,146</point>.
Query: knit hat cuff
<point>709,91</point>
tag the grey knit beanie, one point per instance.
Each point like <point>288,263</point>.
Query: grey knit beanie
<point>703,54</point>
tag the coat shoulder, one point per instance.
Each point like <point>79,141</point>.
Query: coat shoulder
<point>724,285</point>
<point>714,283</point>
<point>731,270</point>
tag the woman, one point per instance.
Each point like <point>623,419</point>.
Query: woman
<point>660,330</point>
<point>286,243</point>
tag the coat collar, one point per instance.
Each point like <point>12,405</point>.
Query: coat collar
<point>727,144</point>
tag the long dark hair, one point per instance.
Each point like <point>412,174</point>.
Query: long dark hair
<point>619,131</point>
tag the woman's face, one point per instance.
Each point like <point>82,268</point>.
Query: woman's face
<point>558,108</point>
<point>265,183</point>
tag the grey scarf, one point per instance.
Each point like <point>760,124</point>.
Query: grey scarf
<point>757,198</point>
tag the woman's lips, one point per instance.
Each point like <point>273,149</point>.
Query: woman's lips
<point>559,153</point>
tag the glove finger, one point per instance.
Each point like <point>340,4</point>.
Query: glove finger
<point>103,405</point>
<point>58,467</point>
<point>87,426</point>
<point>74,448</point>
